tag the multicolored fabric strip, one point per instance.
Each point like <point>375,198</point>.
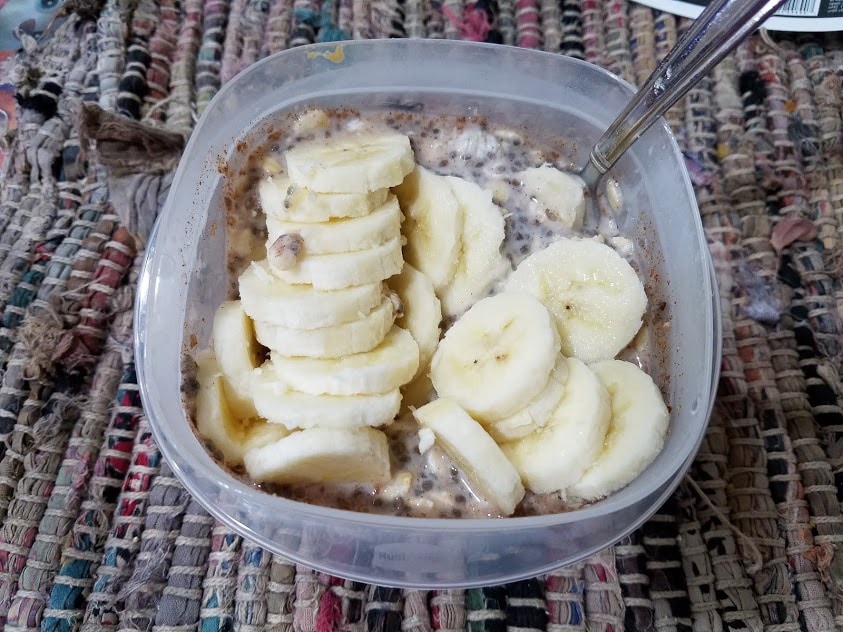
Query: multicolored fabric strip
<point>97,534</point>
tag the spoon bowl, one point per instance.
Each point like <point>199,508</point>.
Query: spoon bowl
<point>718,30</point>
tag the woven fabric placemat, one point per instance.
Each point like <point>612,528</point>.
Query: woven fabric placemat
<point>96,532</point>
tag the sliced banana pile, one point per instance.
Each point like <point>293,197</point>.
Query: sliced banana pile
<point>319,304</point>
<point>454,234</point>
<point>531,384</point>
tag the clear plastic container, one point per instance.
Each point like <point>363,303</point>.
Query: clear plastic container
<point>183,282</point>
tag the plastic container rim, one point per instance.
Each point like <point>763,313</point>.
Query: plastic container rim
<point>606,506</point>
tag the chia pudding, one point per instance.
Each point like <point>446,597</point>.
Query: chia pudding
<point>427,484</point>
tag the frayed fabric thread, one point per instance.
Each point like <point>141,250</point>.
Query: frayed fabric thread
<point>127,146</point>
<point>141,159</point>
<point>473,25</point>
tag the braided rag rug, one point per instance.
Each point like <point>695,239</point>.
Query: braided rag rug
<point>97,534</point>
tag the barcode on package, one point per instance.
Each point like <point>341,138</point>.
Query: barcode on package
<point>800,8</point>
<point>817,16</point>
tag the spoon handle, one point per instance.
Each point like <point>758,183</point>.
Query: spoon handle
<point>714,34</point>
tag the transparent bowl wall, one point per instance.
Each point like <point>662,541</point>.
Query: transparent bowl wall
<point>183,282</point>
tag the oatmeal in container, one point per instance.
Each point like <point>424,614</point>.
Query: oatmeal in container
<point>400,430</point>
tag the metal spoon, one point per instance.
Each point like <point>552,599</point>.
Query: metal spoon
<point>718,30</point>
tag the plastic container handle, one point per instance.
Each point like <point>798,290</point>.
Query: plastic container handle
<point>718,30</point>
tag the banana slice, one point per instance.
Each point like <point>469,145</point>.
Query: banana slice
<point>480,262</point>
<point>280,404</point>
<point>497,356</point>
<point>388,366</point>
<point>322,455</point>
<point>283,201</point>
<point>511,428</point>
<point>474,451</point>
<point>268,299</point>
<point>417,393</point>
<point>237,354</point>
<point>558,193</point>
<point>556,456</point>
<point>537,412</point>
<point>263,433</point>
<point>636,431</point>
<point>336,341</point>
<point>342,235</point>
<point>355,163</point>
<point>433,224</point>
<point>422,311</point>
<point>345,269</point>
<point>311,120</point>
<point>217,423</point>
<point>594,294</point>
<point>214,419</point>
